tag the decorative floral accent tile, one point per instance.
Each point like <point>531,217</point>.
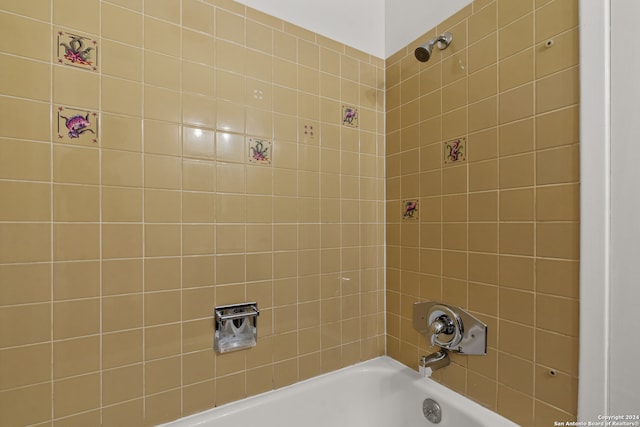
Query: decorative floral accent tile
<point>75,126</point>
<point>455,151</point>
<point>409,209</point>
<point>76,50</point>
<point>259,151</point>
<point>350,116</point>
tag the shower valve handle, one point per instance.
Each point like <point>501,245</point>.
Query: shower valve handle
<point>442,325</point>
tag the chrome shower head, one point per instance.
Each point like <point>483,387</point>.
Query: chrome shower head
<point>423,53</point>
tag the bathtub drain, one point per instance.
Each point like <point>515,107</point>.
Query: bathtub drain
<point>432,411</point>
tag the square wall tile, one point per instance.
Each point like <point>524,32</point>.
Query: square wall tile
<point>36,35</point>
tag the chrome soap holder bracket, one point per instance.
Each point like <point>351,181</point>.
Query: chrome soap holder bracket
<point>450,327</point>
<point>236,327</point>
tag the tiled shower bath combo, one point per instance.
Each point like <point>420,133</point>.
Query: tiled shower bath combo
<point>159,158</point>
<point>484,138</point>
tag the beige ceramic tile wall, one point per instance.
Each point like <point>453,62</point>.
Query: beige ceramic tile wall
<point>113,254</point>
<point>498,232</point>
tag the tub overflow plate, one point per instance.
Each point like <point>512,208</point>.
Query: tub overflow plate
<point>431,410</point>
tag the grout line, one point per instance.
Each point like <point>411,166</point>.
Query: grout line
<point>535,217</point>
<point>497,219</point>
<point>181,84</point>
<point>142,207</point>
<point>51,236</point>
<point>100,207</point>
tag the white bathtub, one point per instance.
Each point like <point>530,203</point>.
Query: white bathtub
<point>377,393</point>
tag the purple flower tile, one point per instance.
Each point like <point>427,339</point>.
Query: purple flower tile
<point>410,209</point>
<point>259,151</point>
<point>75,126</point>
<point>349,116</point>
<point>455,151</point>
<point>76,50</point>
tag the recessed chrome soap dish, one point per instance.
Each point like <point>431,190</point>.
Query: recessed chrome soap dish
<point>236,327</point>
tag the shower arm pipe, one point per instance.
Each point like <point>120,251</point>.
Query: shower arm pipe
<point>443,40</point>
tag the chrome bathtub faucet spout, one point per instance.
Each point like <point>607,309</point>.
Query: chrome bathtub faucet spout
<point>433,362</point>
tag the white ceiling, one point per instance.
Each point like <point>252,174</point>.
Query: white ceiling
<point>406,20</point>
<point>378,27</point>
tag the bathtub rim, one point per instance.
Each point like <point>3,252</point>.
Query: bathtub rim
<point>441,393</point>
